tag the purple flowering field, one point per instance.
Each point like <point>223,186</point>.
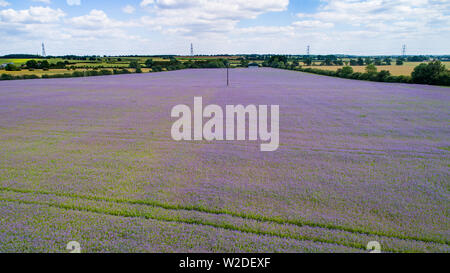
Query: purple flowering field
<point>92,160</point>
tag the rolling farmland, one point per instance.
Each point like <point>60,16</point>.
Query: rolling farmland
<point>396,70</point>
<point>92,160</point>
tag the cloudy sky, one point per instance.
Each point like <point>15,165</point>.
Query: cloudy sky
<point>113,27</point>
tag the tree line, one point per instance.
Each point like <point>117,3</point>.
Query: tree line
<point>155,66</point>
<point>433,73</point>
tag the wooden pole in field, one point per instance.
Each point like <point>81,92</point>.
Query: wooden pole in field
<point>228,74</point>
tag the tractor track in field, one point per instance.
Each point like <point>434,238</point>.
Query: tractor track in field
<point>211,212</point>
<point>181,221</point>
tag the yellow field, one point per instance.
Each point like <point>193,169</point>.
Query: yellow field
<point>20,62</point>
<point>39,72</point>
<point>395,70</point>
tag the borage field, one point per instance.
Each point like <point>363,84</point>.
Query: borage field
<point>92,160</point>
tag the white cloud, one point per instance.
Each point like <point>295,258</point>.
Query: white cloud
<point>42,1</point>
<point>387,16</point>
<point>199,16</point>
<point>32,15</point>
<point>73,2</point>
<point>312,24</point>
<point>96,19</point>
<point>377,24</point>
<point>128,9</point>
<point>337,26</point>
<point>145,3</point>
<point>265,30</point>
<point>3,3</point>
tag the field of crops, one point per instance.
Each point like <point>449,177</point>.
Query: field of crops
<point>396,70</point>
<point>40,72</point>
<point>92,160</point>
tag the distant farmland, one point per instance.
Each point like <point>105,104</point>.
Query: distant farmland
<point>396,70</point>
<point>92,160</point>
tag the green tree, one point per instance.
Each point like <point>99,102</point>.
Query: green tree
<point>244,63</point>
<point>149,63</point>
<point>11,67</point>
<point>371,69</point>
<point>31,64</point>
<point>399,62</point>
<point>307,61</point>
<point>44,64</point>
<point>382,75</point>
<point>134,64</point>
<point>346,71</point>
<point>431,73</point>
<point>275,60</point>
<point>360,61</point>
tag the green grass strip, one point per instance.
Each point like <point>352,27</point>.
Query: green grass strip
<point>260,218</point>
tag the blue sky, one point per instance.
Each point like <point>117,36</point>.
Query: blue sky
<point>114,27</point>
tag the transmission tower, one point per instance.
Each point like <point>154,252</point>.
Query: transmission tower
<point>307,50</point>
<point>43,50</point>
<point>192,50</point>
<point>404,50</point>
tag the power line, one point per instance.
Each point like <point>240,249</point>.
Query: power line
<point>404,50</point>
<point>192,50</point>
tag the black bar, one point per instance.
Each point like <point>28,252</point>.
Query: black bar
<point>241,262</point>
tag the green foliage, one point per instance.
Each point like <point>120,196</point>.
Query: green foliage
<point>416,58</point>
<point>371,69</point>
<point>149,63</point>
<point>431,73</point>
<point>244,63</point>
<point>275,61</point>
<point>32,64</point>
<point>308,61</point>
<point>327,61</point>
<point>345,72</point>
<point>360,61</point>
<point>5,77</point>
<point>368,61</point>
<point>134,64</point>
<point>59,65</point>
<point>122,71</point>
<point>12,67</point>
<point>156,68</point>
<point>77,74</point>
<point>106,72</point>
<point>44,64</point>
<point>382,75</point>
<point>399,62</point>
<point>216,63</point>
